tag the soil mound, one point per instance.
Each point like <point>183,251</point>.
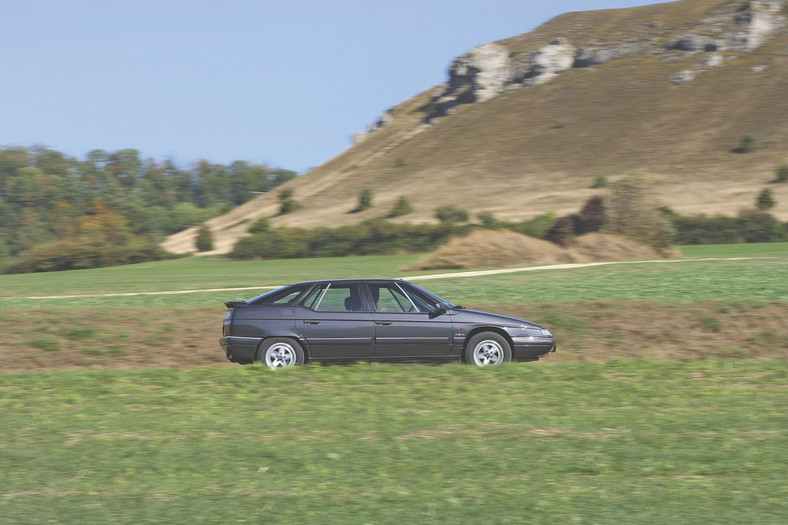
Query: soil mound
<point>493,248</point>
<point>504,248</point>
<point>596,246</point>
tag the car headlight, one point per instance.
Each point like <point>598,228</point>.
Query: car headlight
<point>537,332</point>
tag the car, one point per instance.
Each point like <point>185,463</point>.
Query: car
<point>344,320</point>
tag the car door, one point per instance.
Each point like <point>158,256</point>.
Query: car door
<point>335,321</point>
<point>405,328</point>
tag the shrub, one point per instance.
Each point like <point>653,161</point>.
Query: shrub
<point>748,144</point>
<point>288,204</point>
<point>749,226</point>
<point>765,200</point>
<point>261,225</point>
<point>701,229</point>
<point>364,201</point>
<point>282,243</point>
<point>782,171</point>
<point>489,221</point>
<point>373,237</point>
<point>204,239</point>
<point>758,226</point>
<point>85,252</point>
<point>599,182</point>
<point>537,227</point>
<point>451,214</point>
<point>402,207</point>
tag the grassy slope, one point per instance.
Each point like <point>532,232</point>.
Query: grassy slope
<point>539,149</point>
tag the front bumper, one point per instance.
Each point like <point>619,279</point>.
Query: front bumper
<point>532,348</point>
<point>240,349</point>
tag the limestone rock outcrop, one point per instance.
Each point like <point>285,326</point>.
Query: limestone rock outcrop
<point>476,76</point>
<point>490,69</point>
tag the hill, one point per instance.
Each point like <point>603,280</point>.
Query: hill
<point>525,125</point>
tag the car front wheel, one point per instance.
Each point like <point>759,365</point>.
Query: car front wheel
<point>488,349</point>
<point>280,352</point>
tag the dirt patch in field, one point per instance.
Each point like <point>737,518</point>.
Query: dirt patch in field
<point>601,331</point>
<point>57,338</point>
<point>498,248</point>
<point>504,248</point>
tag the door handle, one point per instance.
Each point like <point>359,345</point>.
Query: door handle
<point>384,322</point>
<point>311,321</point>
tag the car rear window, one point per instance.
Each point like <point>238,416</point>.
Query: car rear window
<point>282,296</point>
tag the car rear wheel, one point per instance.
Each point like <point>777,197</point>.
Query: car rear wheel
<point>488,349</point>
<point>279,352</point>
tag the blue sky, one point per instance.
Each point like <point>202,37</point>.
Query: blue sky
<point>279,82</point>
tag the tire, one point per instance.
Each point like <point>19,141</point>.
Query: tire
<point>487,349</point>
<point>279,352</point>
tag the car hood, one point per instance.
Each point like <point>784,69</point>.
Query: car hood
<point>474,316</point>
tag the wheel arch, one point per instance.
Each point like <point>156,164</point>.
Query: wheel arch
<point>480,329</point>
<point>299,340</point>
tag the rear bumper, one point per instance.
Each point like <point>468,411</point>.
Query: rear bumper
<point>532,348</point>
<point>240,349</point>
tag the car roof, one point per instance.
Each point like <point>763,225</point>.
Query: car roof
<point>363,279</point>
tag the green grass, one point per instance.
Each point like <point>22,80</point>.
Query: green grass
<point>761,277</point>
<point>686,281</point>
<point>623,442</point>
<point>198,272</point>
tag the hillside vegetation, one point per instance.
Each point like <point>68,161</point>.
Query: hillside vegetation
<point>61,213</point>
<point>539,148</point>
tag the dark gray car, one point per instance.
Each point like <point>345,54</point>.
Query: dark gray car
<point>372,320</point>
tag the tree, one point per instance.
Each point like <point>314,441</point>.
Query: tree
<point>402,207</point>
<point>563,231</point>
<point>204,240</point>
<point>634,212</point>
<point>592,217</point>
<point>759,226</point>
<point>288,204</point>
<point>488,221</point>
<point>748,144</point>
<point>364,200</point>
<point>782,172</point>
<point>261,225</point>
<point>451,214</point>
<point>765,200</point>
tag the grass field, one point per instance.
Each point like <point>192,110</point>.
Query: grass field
<point>666,402</point>
<point>622,442</point>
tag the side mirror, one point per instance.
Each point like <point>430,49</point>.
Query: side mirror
<point>439,309</point>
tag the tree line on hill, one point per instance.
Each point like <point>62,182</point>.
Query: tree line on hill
<point>59,212</point>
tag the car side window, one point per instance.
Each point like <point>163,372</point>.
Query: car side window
<point>310,301</point>
<point>421,302</point>
<point>291,297</point>
<point>335,297</point>
<point>390,298</point>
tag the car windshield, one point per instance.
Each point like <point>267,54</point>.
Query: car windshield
<point>431,296</point>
